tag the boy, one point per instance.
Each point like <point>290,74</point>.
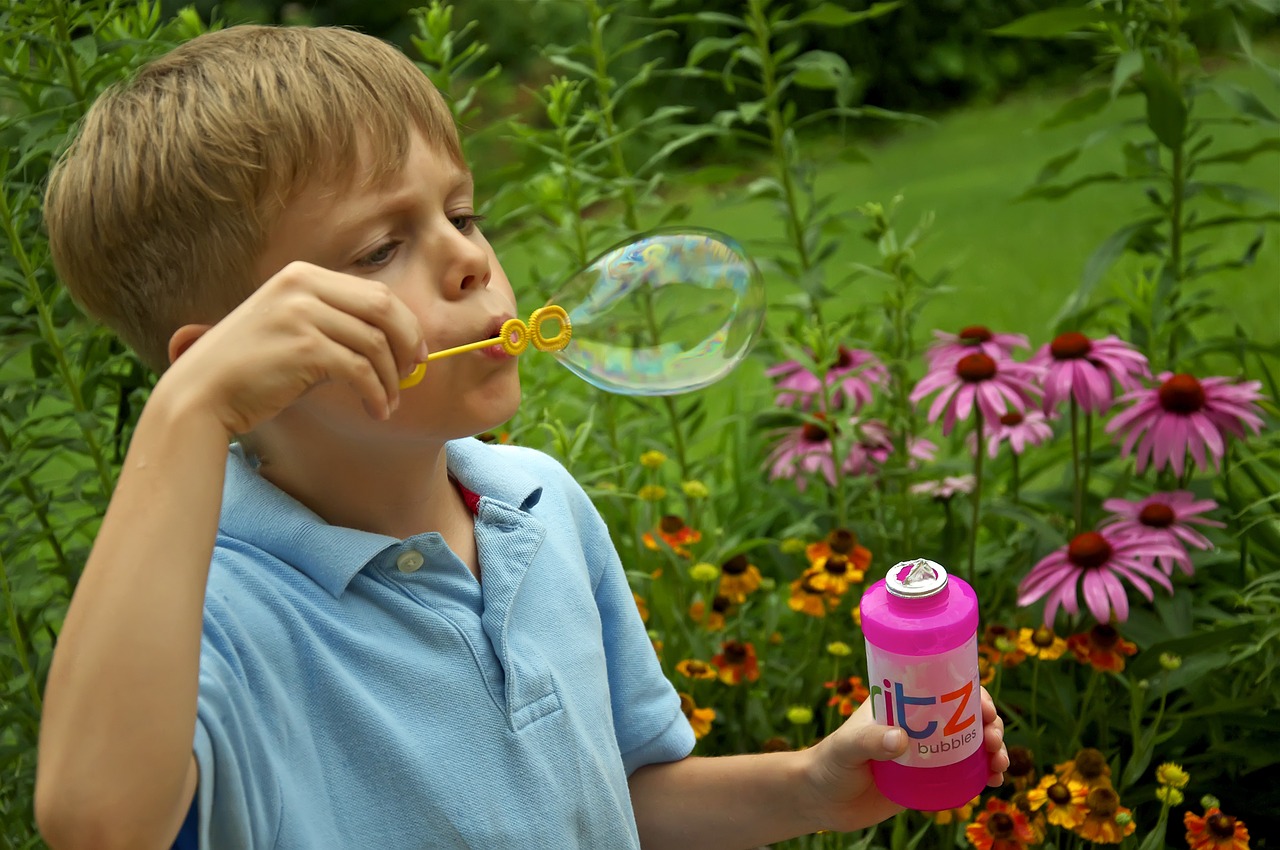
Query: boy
<point>376,632</point>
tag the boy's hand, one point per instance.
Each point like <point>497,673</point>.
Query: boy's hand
<point>840,776</point>
<point>305,326</point>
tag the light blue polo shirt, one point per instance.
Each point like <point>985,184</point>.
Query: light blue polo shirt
<point>357,690</point>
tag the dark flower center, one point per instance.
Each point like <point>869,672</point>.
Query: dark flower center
<point>975,334</point>
<point>1070,346</point>
<point>721,604</point>
<point>1001,826</point>
<point>1157,515</point>
<point>670,524</point>
<point>842,540</point>
<point>844,358</point>
<point>734,653</point>
<point>1042,637</point>
<point>697,668</point>
<point>844,688</point>
<point>837,565</point>
<point>975,368</point>
<point>1222,826</point>
<point>1181,394</point>
<point>1012,418</point>
<point>1103,802</point>
<point>1059,794</point>
<point>816,432</point>
<point>1021,761</point>
<point>735,566</point>
<point>1089,550</point>
<point>1104,636</point>
<point>1091,763</point>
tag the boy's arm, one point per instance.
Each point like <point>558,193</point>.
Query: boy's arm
<point>115,760</point>
<point>738,802</point>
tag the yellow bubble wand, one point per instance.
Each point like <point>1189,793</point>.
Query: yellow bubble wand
<point>515,337</point>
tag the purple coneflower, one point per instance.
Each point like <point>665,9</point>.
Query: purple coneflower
<point>995,386</point>
<point>804,451</point>
<point>1083,368</point>
<point>974,339</point>
<point>1097,562</point>
<point>1165,518</point>
<point>852,377</point>
<point>1185,414</point>
<point>1020,428</point>
<point>946,488</point>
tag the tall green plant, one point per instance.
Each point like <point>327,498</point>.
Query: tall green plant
<point>70,394</point>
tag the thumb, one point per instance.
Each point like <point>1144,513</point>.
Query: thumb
<point>887,743</point>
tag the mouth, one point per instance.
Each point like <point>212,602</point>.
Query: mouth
<point>496,351</point>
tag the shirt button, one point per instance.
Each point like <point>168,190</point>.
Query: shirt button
<point>409,562</point>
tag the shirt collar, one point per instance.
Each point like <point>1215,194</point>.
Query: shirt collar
<point>257,512</point>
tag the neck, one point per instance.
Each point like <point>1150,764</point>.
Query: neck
<point>396,490</point>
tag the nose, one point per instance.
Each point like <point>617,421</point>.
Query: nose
<point>468,264</point>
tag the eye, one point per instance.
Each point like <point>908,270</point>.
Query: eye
<point>465,223</point>
<point>379,256</point>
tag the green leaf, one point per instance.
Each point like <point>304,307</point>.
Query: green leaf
<point>1078,108</point>
<point>1166,110</point>
<point>1051,23</point>
<point>1239,155</point>
<point>1244,101</point>
<point>1127,65</point>
<point>831,15</point>
<point>819,69</point>
<point>1099,262</point>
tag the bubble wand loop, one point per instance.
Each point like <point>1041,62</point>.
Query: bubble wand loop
<point>515,337</point>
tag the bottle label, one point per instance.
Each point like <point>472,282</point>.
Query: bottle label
<point>935,699</point>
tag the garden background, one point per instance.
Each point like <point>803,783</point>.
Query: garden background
<point>1100,177</point>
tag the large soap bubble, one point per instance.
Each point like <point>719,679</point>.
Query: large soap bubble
<point>671,311</point>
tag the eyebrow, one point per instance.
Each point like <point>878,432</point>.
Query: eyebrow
<point>459,179</point>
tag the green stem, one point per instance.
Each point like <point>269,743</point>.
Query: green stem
<point>1083,713</point>
<point>1087,467</point>
<point>1077,499</point>
<point>1177,174</point>
<point>19,642</point>
<point>604,86</point>
<point>1015,479</point>
<point>977,494</point>
<point>1035,702</point>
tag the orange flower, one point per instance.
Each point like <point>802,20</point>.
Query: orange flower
<point>1000,827</point>
<point>1107,822</point>
<point>1089,768</point>
<point>849,694</point>
<point>642,606</point>
<point>1022,767</point>
<point>675,534</point>
<point>695,669</point>
<point>834,577</point>
<point>840,541</point>
<point>712,620</point>
<point>737,661</point>
<point>808,599</point>
<point>699,718</point>
<point>1215,831</point>
<point>1062,799</point>
<point>1041,643</point>
<point>1003,645</point>
<point>1102,647</point>
<point>739,578</point>
<point>987,664</point>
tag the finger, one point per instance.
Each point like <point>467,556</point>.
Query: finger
<point>375,304</point>
<point>988,707</point>
<point>368,342</point>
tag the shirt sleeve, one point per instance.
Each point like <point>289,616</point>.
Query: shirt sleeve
<point>237,798</point>
<point>648,722</point>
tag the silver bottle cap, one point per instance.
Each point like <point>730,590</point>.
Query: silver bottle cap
<point>915,579</point>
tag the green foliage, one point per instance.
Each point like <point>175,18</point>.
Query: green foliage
<point>69,394</point>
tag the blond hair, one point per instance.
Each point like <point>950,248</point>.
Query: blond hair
<point>158,209</point>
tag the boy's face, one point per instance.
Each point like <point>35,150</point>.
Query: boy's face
<point>418,235</point>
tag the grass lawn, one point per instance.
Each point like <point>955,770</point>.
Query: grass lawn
<point>1015,263</point>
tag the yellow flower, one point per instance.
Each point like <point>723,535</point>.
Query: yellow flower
<point>957,815</point>
<point>738,578</point>
<point>792,545</point>
<point>1172,775</point>
<point>695,669</point>
<point>652,459</point>
<point>695,489</point>
<point>1108,822</point>
<point>799,715</point>
<point>652,493</point>
<point>699,718</point>
<point>856,613</point>
<point>1041,643</point>
<point>1062,799</point>
<point>808,599</point>
<point>1170,660</point>
<point>703,571</point>
<point>1169,795</point>
<point>1089,766</point>
<point>712,619</point>
<point>839,648</point>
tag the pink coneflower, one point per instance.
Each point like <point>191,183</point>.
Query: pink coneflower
<point>1097,562</point>
<point>851,378</point>
<point>974,339</point>
<point>1185,414</point>
<point>946,488</point>
<point>1165,518</point>
<point>1083,368</point>
<point>996,387</point>
<point>804,451</point>
<point>1019,428</point>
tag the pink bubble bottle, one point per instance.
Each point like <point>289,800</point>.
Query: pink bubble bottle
<point>921,627</point>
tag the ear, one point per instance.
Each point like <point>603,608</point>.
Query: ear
<point>183,338</point>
